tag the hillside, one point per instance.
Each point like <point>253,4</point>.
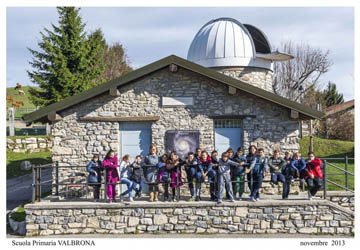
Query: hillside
<point>327,148</point>
<point>17,97</point>
<point>28,106</point>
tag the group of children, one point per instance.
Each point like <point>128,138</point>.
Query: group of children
<point>226,175</point>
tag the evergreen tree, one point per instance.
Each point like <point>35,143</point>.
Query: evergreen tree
<point>331,95</point>
<point>69,61</point>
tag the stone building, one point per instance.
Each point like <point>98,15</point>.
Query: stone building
<point>220,97</point>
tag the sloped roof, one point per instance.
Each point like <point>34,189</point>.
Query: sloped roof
<point>339,107</point>
<point>41,114</point>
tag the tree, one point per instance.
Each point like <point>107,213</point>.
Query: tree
<point>293,78</point>
<point>69,61</point>
<point>313,97</point>
<point>331,95</point>
<point>116,61</point>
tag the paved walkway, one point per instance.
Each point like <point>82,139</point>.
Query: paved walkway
<point>18,190</point>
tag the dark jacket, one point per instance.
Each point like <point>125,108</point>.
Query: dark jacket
<point>204,166</point>
<point>151,169</point>
<point>94,167</point>
<point>251,160</point>
<point>238,170</point>
<point>191,164</point>
<point>279,163</point>
<point>137,173</point>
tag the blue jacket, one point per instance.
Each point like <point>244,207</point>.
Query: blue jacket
<point>298,165</point>
<point>93,167</point>
<point>260,165</point>
<point>238,170</point>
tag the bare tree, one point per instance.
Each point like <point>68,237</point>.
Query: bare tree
<point>294,78</point>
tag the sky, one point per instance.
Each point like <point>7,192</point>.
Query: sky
<point>151,33</point>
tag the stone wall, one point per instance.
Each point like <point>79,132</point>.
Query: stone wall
<point>31,144</point>
<point>264,217</point>
<point>75,141</point>
<point>259,77</point>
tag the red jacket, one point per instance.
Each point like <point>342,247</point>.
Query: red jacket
<point>314,168</point>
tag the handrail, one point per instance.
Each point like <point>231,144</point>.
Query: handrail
<point>340,186</point>
<point>340,169</point>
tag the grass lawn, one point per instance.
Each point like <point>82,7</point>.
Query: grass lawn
<point>13,161</point>
<point>325,148</point>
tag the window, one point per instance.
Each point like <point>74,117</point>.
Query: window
<point>227,123</point>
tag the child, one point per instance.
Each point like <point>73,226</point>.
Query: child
<point>298,164</point>
<point>198,154</point>
<point>203,168</point>
<point>172,165</point>
<point>224,176</point>
<point>137,176</point>
<point>231,153</point>
<point>110,163</point>
<point>213,184</point>
<point>95,169</point>
<point>152,172</point>
<point>276,164</point>
<point>313,175</point>
<point>164,176</point>
<point>125,175</point>
<point>238,173</point>
<point>258,174</point>
<point>288,173</point>
<point>190,168</point>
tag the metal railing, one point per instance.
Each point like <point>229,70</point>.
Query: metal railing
<point>55,183</point>
<point>345,172</point>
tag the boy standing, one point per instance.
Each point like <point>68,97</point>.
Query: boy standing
<point>238,173</point>
<point>137,176</point>
<point>224,176</point>
<point>288,172</point>
<point>258,174</point>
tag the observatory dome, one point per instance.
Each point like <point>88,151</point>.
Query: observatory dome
<point>225,42</point>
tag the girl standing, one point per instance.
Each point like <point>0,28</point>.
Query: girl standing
<point>172,164</point>
<point>110,163</point>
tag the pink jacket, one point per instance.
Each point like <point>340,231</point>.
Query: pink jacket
<point>111,164</point>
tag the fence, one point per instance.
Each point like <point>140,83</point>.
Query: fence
<point>16,127</point>
<point>36,185</point>
<point>344,172</point>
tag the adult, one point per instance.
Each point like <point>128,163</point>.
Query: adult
<point>110,163</point>
<point>251,161</point>
<point>313,175</point>
<point>152,172</point>
<point>94,179</point>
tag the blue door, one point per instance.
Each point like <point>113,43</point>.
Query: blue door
<point>135,138</point>
<point>228,134</point>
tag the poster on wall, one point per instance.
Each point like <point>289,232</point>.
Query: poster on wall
<point>182,141</point>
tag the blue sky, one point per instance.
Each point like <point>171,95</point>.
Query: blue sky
<point>151,33</point>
